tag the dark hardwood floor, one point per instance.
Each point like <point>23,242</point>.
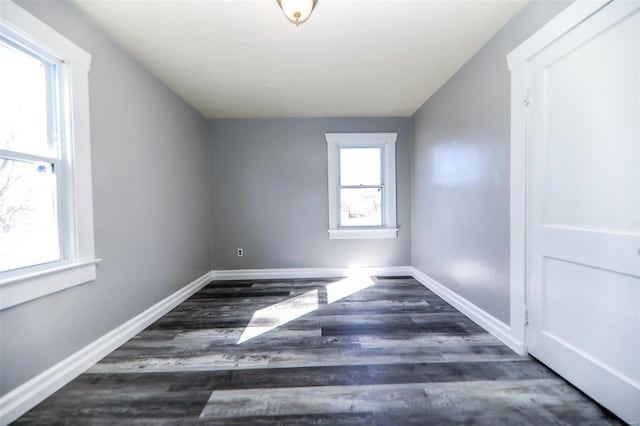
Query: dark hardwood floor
<point>391,353</point>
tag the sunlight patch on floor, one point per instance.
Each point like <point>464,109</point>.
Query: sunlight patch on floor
<point>347,287</point>
<point>274,316</point>
<point>271,317</point>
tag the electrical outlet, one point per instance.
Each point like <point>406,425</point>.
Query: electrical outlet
<point>240,252</point>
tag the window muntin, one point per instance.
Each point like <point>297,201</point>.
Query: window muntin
<point>361,187</point>
<point>30,159</point>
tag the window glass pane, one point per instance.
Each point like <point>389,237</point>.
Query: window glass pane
<point>360,207</point>
<point>23,103</point>
<point>28,218</point>
<point>360,166</point>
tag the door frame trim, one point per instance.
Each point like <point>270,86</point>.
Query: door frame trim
<point>518,64</point>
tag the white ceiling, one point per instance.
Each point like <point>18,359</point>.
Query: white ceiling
<point>242,58</point>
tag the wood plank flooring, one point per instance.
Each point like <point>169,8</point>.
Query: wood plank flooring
<point>272,352</point>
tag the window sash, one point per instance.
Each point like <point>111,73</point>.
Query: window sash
<point>55,113</point>
<point>54,89</point>
<point>382,212</point>
<point>378,148</point>
<point>39,250</point>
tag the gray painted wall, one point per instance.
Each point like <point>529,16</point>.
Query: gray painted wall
<point>164,183</point>
<point>151,198</point>
<point>460,171</point>
<point>269,180</point>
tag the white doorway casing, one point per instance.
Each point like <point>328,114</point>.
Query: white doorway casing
<point>575,199</point>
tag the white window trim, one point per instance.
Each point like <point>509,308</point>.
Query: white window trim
<point>22,285</point>
<point>385,141</point>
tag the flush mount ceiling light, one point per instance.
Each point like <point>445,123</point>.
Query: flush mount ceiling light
<point>297,11</point>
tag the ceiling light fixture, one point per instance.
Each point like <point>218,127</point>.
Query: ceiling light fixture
<point>297,11</point>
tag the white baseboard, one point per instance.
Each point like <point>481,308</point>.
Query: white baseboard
<point>497,328</point>
<point>248,274</point>
<point>28,395</point>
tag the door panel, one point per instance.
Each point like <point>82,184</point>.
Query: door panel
<point>583,207</point>
<point>565,281</point>
<point>591,114</point>
<point>612,251</point>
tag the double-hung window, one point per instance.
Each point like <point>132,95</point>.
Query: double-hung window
<point>46,217</point>
<point>30,158</point>
<point>362,200</point>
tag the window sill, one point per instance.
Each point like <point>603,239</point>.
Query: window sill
<point>17,289</point>
<point>357,234</point>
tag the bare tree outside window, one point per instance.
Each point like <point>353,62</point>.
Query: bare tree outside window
<point>8,210</point>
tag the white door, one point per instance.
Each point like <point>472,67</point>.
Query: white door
<point>583,207</point>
